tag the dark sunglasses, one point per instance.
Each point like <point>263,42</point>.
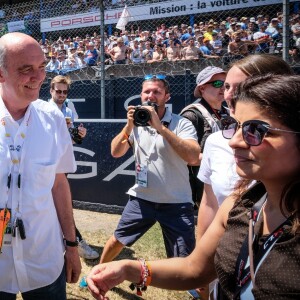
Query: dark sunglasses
<point>253,131</point>
<point>65,92</point>
<point>216,83</point>
<point>158,76</point>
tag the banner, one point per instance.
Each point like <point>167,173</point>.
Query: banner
<point>149,11</point>
<point>16,26</point>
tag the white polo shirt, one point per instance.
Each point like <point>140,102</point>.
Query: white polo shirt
<point>34,151</point>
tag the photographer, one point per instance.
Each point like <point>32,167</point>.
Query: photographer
<point>59,89</point>
<point>162,192</point>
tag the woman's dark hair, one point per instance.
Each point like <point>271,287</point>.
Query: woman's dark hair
<point>279,97</point>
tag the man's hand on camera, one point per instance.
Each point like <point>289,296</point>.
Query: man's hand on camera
<point>154,120</point>
<point>130,111</point>
<point>81,131</point>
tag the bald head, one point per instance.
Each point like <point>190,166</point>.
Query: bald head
<point>13,44</point>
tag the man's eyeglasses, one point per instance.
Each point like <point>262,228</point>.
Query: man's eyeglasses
<point>158,76</point>
<point>253,131</point>
<point>65,92</point>
<point>216,83</point>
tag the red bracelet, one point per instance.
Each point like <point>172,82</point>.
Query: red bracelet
<point>146,278</point>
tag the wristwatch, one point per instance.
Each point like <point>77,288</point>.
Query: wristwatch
<point>71,244</point>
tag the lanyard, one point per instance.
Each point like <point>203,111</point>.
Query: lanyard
<point>151,148</point>
<point>15,152</point>
<point>243,273</point>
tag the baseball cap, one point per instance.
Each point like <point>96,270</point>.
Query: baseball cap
<point>274,20</point>
<point>252,19</point>
<point>206,40</point>
<point>204,76</point>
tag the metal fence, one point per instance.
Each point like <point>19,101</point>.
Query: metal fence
<point>63,25</point>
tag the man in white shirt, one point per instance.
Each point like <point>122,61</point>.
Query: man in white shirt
<point>39,252</point>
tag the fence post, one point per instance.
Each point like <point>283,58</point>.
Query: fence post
<point>102,72</point>
<point>187,88</point>
<point>111,97</point>
<point>285,30</point>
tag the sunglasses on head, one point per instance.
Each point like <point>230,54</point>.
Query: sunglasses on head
<point>157,76</point>
<point>216,83</point>
<point>253,131</point>
<point>65,92</point>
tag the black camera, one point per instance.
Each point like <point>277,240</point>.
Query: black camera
<point>74,133</point>
<point>141,115</point>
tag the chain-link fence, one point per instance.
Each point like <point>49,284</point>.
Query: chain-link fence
<point>167,37</point>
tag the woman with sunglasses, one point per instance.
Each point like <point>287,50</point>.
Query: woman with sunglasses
<point>267,108</point>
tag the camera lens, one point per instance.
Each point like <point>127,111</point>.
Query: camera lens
<point>141,116</point>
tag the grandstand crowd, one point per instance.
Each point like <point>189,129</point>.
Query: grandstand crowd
<point>231,38</point>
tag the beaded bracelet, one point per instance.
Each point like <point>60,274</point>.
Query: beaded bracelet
<point>146,277</point>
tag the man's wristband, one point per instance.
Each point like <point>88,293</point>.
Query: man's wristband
<point>126,137</point>
<point>70,244</point>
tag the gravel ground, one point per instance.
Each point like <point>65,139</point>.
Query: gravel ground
<point>94,221</point>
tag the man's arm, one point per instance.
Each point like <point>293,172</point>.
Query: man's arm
<point>120,145</point>
<point>188,150</point>
<point>63,204</point>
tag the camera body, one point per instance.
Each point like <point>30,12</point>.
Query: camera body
<point>75,135</point>
<point>141,115</point>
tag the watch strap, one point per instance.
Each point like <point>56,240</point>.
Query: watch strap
<point>70,243</point>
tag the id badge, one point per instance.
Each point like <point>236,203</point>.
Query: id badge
<point>5,227</point>
<point>141,175</point>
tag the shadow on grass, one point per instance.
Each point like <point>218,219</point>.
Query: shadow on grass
<point>126,253</point>
<point>125,295</point>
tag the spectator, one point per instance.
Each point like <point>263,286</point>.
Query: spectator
<point>158,54</point>
<point>156,192</point>
<point>207,49</point>
<point>37,196</point>
<point>148,52</point>
<point>296,30</point>
<point>238,47</point>
<point>65,65</point>
<point>231,29</point>
<point>216,44</point>
<point>52,65</point>
<point>262,39</point>
<point>272,29</point>
<point>208,33</point>
<point>136,53</point>
<point>119,52</point>
<point>173,51</point>
<point>191,52</point>
<point>91,54</point>
<point>259,20</point>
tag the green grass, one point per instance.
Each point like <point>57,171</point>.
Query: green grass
<point>150,246</point>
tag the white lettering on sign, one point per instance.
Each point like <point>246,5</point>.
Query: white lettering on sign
<point>150,11</point>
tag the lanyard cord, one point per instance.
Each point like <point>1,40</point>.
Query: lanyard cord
<point>243,273</point>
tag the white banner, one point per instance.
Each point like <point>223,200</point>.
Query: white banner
<point>150,11</point>
<point>15,26</point>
